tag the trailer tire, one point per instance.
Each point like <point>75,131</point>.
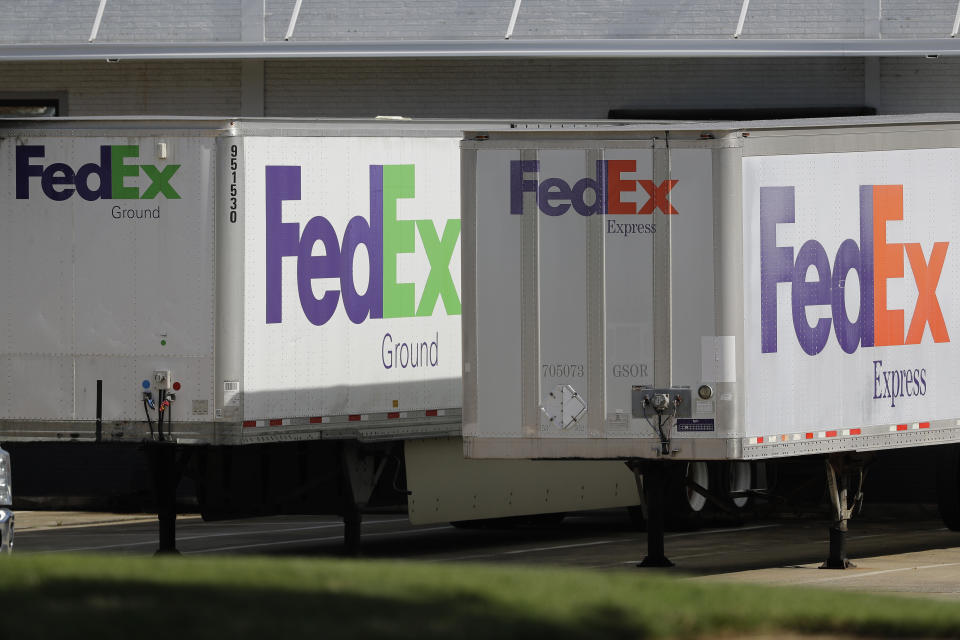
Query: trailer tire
<point>736,477</point>
<point>948,486</point>
<point>685,506</point>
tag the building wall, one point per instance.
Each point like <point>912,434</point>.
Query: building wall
<point>551,88</point>
<point>131,88</point>
<point>485,88</point>
<point>60,21</point>
<point>917,85</point>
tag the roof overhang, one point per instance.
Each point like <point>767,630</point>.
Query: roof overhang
<point>501,48</point>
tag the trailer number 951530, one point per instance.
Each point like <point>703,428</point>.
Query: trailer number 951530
<point>233,183</point>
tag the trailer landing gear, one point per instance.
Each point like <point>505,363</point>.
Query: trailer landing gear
<point>166,461</point>
<point>361,472</point>
<point>843,470</point>
<point>652,480</point>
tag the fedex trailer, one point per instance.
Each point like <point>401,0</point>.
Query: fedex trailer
<point>723,292</point>
<point>269,306</point>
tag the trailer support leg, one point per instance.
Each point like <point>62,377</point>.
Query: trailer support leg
<point>162,457</point>
<point>652,480</point>
<point>842,470</point>
<point>361,472</point>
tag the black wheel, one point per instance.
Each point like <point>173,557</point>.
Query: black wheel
<point>948,485</point>
<point>736,479</point>
<point>684,504</point>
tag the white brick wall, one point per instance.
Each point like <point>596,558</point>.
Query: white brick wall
<point>804,19</point>
<point>399,20</point>
<point>918,18</point>
<point>345,20</point>
<point>123,21</point>
<point>169,21</point>
<point>46,20</point>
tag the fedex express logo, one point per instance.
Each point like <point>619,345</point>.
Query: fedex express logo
<point>114,175</point>
<point>875,260</point>
<point>384,238</point>
<point>588,196</point>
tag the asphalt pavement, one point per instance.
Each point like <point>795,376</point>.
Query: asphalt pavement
<point>909,554</point>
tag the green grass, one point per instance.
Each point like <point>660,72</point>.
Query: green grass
<point>90,596</point>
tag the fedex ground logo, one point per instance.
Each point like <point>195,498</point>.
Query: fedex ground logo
<point>116,175</point>
<point>384,238</point>
<point>610,193</point>
<point>814,281</point>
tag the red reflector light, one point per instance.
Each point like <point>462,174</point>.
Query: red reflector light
<point>854,432</point>
<point>901,427</point>
<point>316,420</point>
<point>831,434</point>
<point>924,425</point>
<point>760,440</point>
<point>431,412</point>
<point>355,418</point>
<point>809,436</point>
<point>276,423</point>
<point>249,423</point>
<point>176,386</point>
<point>395,414</point>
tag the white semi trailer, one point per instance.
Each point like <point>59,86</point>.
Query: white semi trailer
<point>729,292</point>
<point>271,306</point>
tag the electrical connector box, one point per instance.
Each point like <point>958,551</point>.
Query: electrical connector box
<point>162,380</point>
